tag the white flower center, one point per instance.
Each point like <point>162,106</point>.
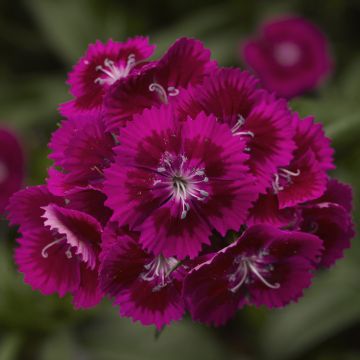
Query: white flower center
<point>159,270</point>
<point>287,53</point>
<point>114,72</point>
<point>184,183</point>
<point>247,269</point>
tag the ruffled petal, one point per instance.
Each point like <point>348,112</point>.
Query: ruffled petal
<point>125,274</point>
<point>337,193</point>
<point>266,211</point>
<point>82,231</point>
<point>47,268</point>
<point>309,184</point>
<point>88,294</point>
<point>83,158</point>
<point>331,223</point>
<point>26,207</point>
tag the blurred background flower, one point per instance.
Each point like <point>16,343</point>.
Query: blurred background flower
<point>290,55</point>
<point>39,42</point>
<point>11,166</point>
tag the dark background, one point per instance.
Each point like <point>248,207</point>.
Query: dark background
<point>39,42</point>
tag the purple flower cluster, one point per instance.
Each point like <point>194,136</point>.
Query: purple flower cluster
<point>179,186</point>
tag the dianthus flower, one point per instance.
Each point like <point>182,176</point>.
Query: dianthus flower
<point>290,56</point>
<point>179,186</point>
<point>11,166</point>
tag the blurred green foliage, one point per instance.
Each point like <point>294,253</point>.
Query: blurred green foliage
<point>39,42</point>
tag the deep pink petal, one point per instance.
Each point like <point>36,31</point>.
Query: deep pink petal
<point>25,207</point>
<point>308,185</point>
<point>88,294</point>
<point>82,231</point>
<point>53,273</point>
<point>123,276</point>
<point>331,223</point>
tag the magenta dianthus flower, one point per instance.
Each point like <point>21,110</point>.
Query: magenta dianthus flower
<point>147,288</point>
<point>266,266</point>
<point>101,67</point>
<point>179,186</point>
<point>11,166</point>
<point>290,56</point>
<point>59,248</point>
<point>176,181</point>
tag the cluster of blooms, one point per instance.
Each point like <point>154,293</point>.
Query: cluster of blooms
<point>11,166</point>
<point>179,186</point>
<point>290,55</point>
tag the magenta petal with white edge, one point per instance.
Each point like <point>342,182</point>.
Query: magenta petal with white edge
<point>147,288</point>
<point>102,65</point>
<point>333,224</point>
<point>82,231</point>
<point>179,179</point>
<point>266,266</point>
<point>25,207</point>
<point>47,264</point>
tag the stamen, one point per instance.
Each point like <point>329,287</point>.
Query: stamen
<point>246,266</point>
<point>184,183</point>
<point>68,253</point>
<point>173,91</point>
<point>276,184</point>
<point>98,170</point>
<point>242,280</point>
<point>160,91</point>
<point>290,173</point>
<point>44,252</point>
<point>261,278</point>
<point>114,72</point>
<point>240,122</point>
<point>160,267</point>
<point>244,133</point>
<point>285,174</point>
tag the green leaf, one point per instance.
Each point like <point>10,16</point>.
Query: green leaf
<point>10,346</point>
<point>331,305</point>
<point>69,26</point>
<point>122,339</point>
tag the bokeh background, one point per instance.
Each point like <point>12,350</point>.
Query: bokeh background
<point>39,42</point>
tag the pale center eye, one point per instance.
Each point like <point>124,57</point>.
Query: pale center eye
<point>287,53</point>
